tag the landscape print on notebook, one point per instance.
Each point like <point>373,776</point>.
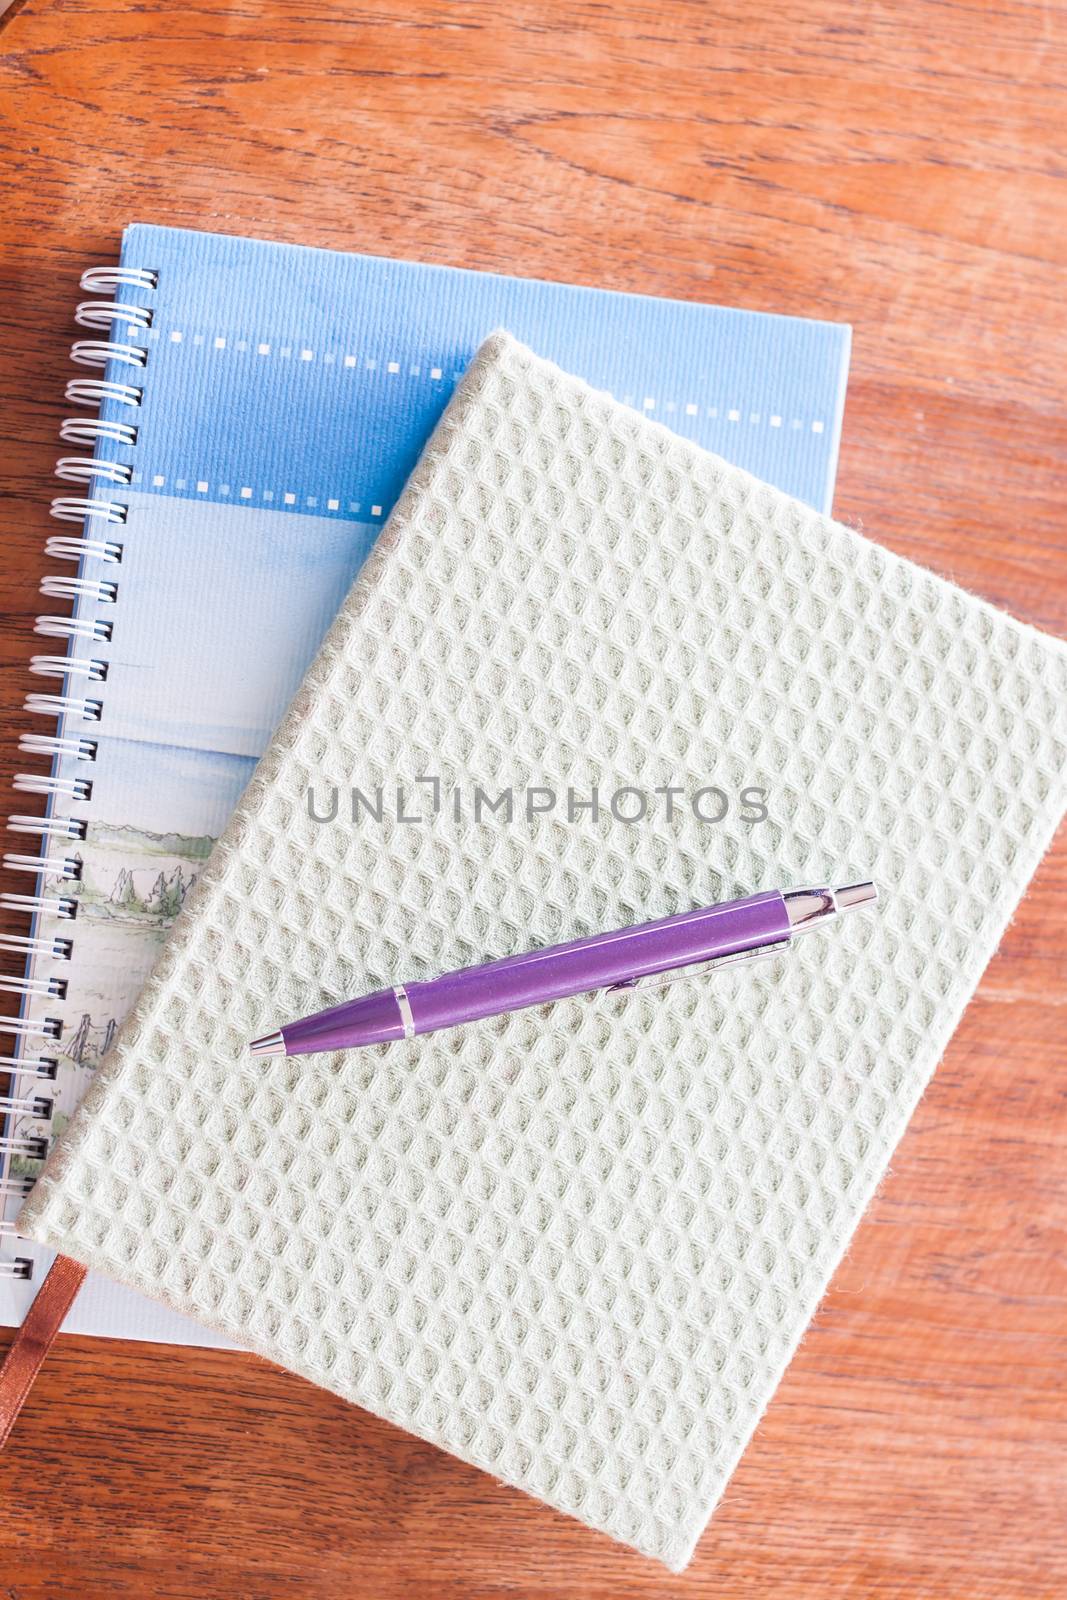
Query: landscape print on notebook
<point>286,396</point>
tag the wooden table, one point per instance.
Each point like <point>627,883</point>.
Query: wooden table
<point>898,166</point>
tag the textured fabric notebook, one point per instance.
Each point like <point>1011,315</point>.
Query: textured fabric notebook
<point>258,409</point>
<point>575,1246</point>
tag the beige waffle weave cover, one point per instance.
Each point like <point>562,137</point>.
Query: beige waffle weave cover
<point>574,1246</point>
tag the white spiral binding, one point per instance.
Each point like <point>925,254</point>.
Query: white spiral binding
<point>64,548</point>
<point>56,705</point>
<point>94,391</point>
<point>54,948</point>
<point>66,908</point>
<point>77,508</point>
<point>50,744</point>
<point>48,828</point>
<point>35,1105</point>
<point>25,1112</point>
<point>102,313</point>
<point>67,869</point>
<point>95,628</point>
<point>83,469</point>
<point>37,988</point>
<point>43,1069</point>
<point>35,1028</point>
<point>105,280</point>
<point>87,430</point>
<point>100,589</point>
<point>102,352</point>
<point>61,666</point>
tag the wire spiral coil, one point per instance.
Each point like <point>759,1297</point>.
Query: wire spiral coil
<point>26,1108</point>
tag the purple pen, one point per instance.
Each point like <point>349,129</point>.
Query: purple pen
<point>678,946</point>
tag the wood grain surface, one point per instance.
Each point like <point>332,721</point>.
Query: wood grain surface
<point>897,165</point>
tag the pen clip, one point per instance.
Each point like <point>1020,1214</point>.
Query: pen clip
<point>660,980</point>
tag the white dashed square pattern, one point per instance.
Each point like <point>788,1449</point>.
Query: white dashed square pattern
<point>575,1246</point>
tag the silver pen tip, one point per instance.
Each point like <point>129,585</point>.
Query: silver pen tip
<point>271,1044</point>
<point>853,895</point>
<point>808,908</point>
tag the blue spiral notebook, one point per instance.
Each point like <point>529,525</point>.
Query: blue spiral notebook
<point>242,418</point>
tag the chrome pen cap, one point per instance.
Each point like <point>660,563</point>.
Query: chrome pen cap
<point>806,908</point>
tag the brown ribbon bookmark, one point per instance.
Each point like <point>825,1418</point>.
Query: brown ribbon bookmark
<point>35,1338</point>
